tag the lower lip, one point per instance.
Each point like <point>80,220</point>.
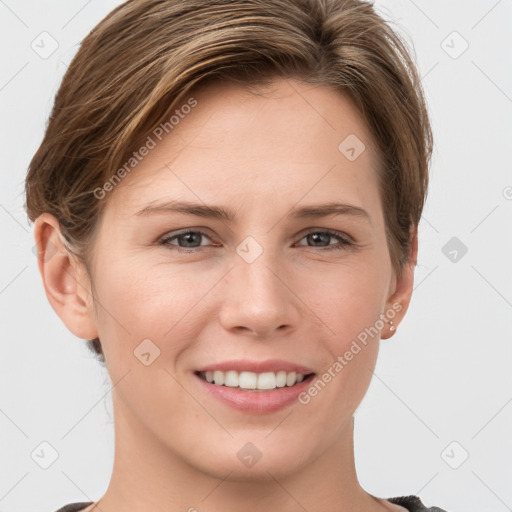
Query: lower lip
<point>257,402</point>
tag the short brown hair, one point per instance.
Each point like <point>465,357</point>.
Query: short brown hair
<point>136,66</point>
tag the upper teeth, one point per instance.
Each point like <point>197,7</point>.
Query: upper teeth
<point>251,380</point>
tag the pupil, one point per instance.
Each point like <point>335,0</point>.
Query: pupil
<point>189,238</point>
<point>325,237</point>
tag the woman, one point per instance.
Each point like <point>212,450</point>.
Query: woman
<point>226,203</point>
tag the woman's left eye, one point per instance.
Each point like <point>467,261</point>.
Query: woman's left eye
<point>325,235</point>
<point>191,238</point>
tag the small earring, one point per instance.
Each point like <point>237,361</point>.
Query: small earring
<point>392,327</point>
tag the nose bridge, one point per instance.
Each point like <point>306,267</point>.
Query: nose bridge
<point>257,298</point>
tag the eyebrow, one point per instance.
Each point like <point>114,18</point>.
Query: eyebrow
<point>227,214</point>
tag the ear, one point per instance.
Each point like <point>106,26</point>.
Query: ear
<point>65,279</point>
<point>400,297</point>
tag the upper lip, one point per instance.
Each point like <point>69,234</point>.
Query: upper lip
<point>245,365</point>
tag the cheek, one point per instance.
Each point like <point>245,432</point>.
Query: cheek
<point>161,303</point>
<point>350,305</point>
<point>350,299</point>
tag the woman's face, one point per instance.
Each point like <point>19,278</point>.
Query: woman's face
<point>264,283</point>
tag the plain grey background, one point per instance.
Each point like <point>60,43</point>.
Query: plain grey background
<point>437,418</point>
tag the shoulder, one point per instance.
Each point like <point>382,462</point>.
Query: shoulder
<point>414,504</point>
<point>75,507</point>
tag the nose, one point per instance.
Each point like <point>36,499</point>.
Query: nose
<point>258,299</point>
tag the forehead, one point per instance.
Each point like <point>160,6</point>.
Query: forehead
<point>281,142</point>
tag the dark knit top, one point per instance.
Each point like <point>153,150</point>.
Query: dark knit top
<point>411,503</point>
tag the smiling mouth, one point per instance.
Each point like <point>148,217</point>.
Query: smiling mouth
<point>251,381</point>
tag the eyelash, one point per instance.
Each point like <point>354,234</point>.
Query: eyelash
<point>346,241</point>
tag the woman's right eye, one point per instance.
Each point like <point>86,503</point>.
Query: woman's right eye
<point>188,238</point>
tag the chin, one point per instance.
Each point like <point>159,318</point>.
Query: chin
<point>246,461</point>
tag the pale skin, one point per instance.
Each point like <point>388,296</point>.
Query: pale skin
<point>260,156</point>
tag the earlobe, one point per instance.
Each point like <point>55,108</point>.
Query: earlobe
<point>65,279</point>
<point>398,302</point>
